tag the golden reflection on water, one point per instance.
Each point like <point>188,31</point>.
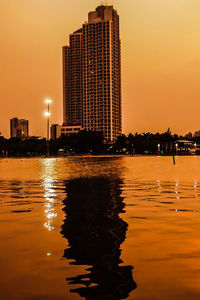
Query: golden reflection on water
<point>49,181</point>
<point>196,188</point>
<point>159,186</point>
<point>176,190</point>
<point>69,223</point>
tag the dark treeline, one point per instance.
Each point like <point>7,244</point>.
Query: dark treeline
<point>92,143</point>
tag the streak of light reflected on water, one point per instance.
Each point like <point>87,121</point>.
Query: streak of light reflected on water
<point>49,181</point>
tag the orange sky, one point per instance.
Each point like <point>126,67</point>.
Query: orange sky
<point>160,61</point>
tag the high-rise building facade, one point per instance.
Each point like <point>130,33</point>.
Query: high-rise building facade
<point>19,128</point>
<point>92,74</point>
<point>72,80</point>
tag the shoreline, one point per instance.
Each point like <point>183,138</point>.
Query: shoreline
<point>97,155</point>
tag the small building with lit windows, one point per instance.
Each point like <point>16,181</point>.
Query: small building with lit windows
<point>184,147</point>
<point>58,131</point>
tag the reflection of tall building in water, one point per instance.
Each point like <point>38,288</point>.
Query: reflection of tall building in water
<point>92,74</point>
<point>95,233</point>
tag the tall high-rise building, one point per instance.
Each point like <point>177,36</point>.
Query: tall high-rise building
<point>92,74</point>
<point>72,80</point>
<point>19,128</point>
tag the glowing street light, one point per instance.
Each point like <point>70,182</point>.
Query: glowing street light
<point>48,101</point>
<point>47,115</point>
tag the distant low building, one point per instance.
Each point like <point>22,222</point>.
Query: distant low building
<point>184,146</point>
<point>62,130</point>
<point>19,128</point>
<point>33,137</point>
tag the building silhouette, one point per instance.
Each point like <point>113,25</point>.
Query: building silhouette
<point>95,233</point>
<point>19,128</point>
<point>92,75</point>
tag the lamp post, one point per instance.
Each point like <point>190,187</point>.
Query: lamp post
<point>47,114</point>
<point>158,148</point>
<point>176,145</point>
<point>195,147</point>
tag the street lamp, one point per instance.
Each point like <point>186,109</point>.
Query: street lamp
<point>158,148</point>
<point>47,115</point>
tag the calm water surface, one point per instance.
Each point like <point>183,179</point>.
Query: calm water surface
<point>100,228</point>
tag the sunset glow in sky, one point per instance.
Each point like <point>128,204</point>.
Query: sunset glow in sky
<point>160,61</point>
